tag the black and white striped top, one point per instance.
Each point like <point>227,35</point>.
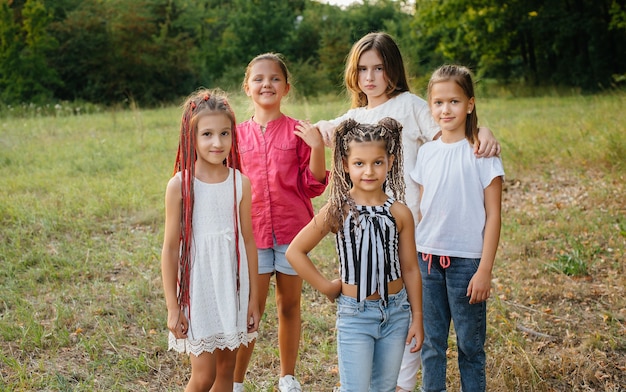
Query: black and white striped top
<point>368,250</point>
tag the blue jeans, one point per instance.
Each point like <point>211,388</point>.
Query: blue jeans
<point>370,342</point>
<point>444,296</point>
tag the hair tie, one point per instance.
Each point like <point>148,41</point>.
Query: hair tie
<point>193,105</point>
<point>206,97</point>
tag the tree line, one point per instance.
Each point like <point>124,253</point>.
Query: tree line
<point>155,51</point>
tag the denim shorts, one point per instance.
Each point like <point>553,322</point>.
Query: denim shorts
<point>371,337</point>
<point>273,260</point>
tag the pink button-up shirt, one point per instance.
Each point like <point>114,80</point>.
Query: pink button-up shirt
<point>277,163</point>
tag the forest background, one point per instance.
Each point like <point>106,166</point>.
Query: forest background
<point>154,52</point>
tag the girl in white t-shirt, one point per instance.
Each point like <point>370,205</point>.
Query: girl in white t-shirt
<point>458,232</point>
<point>376,79</point>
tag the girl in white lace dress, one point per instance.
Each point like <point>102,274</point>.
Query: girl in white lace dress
<point>209,257</point>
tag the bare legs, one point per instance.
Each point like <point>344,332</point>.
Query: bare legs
<point>288,294</point>
<point>212,370</point>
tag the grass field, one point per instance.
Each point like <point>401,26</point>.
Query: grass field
<point>81,215</point>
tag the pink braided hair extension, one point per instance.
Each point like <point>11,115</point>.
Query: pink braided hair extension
<point>234,162</point>
<point>185,164</point>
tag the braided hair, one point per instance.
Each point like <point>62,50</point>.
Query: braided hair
<point>387,130</point>
<point>201,103</point>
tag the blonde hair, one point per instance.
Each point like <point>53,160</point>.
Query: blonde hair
<point>275,57</point>
<point>388,131</point>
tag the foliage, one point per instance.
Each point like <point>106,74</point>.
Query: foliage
<point>100,63</point>
<point>155,51</point>
<point>24,48</point>
<point>558,42</point>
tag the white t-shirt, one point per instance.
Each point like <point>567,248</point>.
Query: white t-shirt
<point>453,202</point>
<point>418,127</point>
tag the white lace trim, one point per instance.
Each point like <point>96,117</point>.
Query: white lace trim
<point>210,343</point>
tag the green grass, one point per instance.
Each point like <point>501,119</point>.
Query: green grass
<point>81,215</point>
<point>576,260</point>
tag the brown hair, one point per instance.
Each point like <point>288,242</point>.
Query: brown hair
<point>462,76</point>
<point>393,66</point>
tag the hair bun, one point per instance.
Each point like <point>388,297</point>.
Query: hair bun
<point>390,124</point>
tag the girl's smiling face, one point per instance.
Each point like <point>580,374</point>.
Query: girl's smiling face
<point>214,138</point>
<point>267,83</point>
<point>450,106</point>
<point>367,164</point>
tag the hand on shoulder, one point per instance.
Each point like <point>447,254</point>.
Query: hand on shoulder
<point>310,134</point>
<point>327,130</point>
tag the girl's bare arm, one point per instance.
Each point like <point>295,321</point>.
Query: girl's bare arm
<point>313,138</point>
<point>479,287</point>
<point>170,257</point>
<point>245,217</point>
<point>410,271</point>
<point>297,255</point>
<point>487,146</point>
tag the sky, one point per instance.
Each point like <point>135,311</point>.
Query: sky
<point>340,2</point>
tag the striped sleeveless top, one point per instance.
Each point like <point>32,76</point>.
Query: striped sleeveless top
<point>367,246</point>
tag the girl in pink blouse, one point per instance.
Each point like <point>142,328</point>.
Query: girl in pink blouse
<point>285,161</point>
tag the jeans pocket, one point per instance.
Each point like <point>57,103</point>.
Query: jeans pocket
<point>346,310</point>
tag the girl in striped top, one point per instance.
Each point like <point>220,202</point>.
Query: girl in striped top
<point>380,285</point>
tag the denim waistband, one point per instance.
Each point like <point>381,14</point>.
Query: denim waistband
<point>394,300</point>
